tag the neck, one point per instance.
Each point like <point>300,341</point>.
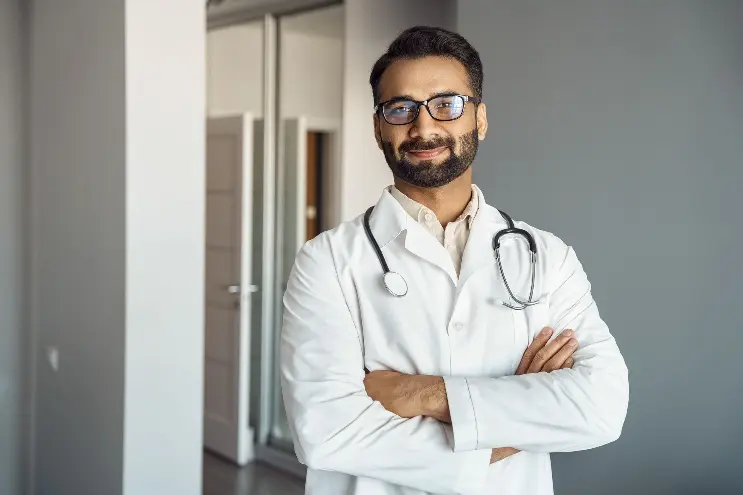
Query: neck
<point>447,202</point>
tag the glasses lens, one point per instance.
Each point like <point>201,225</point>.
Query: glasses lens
<point>446,107</point>
<point>400,112</point>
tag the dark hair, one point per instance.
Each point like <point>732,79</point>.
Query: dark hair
<point>426,41</point>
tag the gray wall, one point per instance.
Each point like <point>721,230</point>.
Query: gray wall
<point>78,222</point>
<point>12,287</point>
<point>619,127</point>
<point>117,245</point>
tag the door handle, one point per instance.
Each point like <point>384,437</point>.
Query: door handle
<point>236,289</point>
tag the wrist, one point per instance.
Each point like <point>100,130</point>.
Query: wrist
<point>432,398</point>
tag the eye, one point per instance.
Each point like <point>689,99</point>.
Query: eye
<point>399,108</point>
<point>447,107</point>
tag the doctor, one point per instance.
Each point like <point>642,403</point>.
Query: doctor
<point>443,383</point>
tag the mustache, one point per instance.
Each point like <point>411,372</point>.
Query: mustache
<point>426,145</point>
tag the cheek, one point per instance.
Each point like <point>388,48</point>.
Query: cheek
<point>395,135</point>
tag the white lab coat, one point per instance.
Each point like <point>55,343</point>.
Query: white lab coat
<point>338,318</point>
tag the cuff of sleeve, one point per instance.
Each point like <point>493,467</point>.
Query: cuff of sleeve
<point>474,471</point>
<point>462,412</point>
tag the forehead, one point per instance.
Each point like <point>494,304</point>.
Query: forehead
<point>423,77</point>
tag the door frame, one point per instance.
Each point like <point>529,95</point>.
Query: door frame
<point>332,173</point>
<point>219,16</point>
<point>244,449</point>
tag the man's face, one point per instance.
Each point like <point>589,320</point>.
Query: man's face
<point>428,152</point>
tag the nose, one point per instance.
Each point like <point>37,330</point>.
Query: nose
<point>424,127</point>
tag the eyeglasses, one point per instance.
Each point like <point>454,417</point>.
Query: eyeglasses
<point>442,108</point>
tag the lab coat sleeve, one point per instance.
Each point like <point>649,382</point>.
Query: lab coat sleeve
<point>335,425</point>
<point>562,411</point>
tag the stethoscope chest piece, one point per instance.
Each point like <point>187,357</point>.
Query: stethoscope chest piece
<point>395,284</point>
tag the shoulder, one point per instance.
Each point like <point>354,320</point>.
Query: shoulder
<point>332,247</point>
<point>556,257</point>
<point>547,242</point>
<point>552,251</point>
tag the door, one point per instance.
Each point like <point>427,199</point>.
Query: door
<point>315,156</point>
<point>293,225</point>
<point>229,285</point>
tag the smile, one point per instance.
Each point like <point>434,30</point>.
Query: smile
<point>428,154</point>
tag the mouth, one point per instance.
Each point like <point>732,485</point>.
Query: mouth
<point>427,154</point>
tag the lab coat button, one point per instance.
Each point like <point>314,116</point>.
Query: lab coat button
<point>458,327</point>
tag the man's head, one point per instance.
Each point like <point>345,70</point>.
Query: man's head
<point>429,145</point>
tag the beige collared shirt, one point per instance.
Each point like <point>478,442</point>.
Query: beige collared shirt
<point>454,236</point>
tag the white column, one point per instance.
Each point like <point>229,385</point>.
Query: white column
<point>165,194</point>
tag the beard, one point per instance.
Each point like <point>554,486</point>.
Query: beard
<point>426,173</point>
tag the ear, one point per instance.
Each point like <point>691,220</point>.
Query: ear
<point>482,121</point>
<point>377,130</point>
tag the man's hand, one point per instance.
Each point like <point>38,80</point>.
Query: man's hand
<point>543,356</point>
<point>405,395</point>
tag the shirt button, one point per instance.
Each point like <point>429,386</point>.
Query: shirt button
<point>429,217</point>
<point>458,327</point>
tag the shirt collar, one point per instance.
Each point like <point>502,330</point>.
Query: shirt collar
<point>419,211</point>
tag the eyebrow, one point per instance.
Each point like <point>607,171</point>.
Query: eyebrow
<point>447,92</point>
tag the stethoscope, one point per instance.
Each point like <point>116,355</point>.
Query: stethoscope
<point>398,287</point>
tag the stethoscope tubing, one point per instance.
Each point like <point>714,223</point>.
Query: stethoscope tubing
<point>391,278</point>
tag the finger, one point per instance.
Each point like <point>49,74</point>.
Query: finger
<point>548,351</point>
<point>537,344</point>
<point>562,355</point>
<point>501,453</point>
<point>569,362</point>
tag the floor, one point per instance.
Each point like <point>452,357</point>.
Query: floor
<point>224,478</point>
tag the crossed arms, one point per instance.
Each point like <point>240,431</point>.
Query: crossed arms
<point>338,426</point>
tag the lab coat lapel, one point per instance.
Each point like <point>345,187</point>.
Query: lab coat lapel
<point>478,252</point>
<point>424,245</point>
<point>388,219</point>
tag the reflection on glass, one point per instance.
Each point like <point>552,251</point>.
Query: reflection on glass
<point>310,88</point>
<point>235,81</point>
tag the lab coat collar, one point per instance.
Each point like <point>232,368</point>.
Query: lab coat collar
<point>390,219</point>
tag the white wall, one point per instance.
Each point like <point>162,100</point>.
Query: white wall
<point>235,70</point>
<point>310,70</point>
<point>13,338</point>
<point>310,75</point>
<point>311,63</point>
<point>371,25</point>
<point>117,224</point>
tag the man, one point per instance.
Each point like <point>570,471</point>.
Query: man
<point>445,389</point>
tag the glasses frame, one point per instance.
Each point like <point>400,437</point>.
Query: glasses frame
<point>379,108</point>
